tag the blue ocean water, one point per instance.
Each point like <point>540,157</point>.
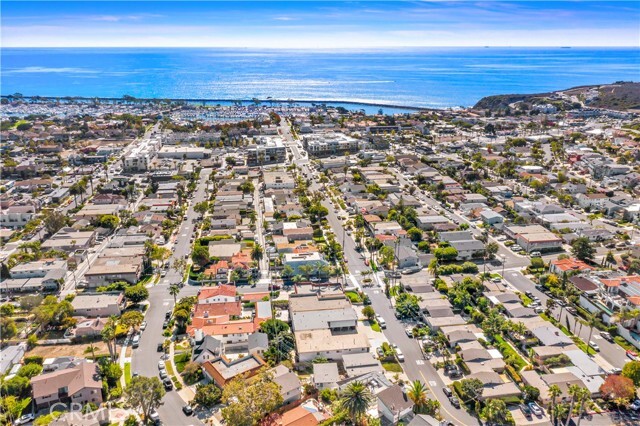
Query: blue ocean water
<point>426,77</point>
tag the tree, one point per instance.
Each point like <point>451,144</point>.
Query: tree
<point>174,290</point>
<point>111,371</point>
<point>537,263</point>
<point>54,221</point>
<point>132,319</point>
<point>207,395</point>
<point>109,221</point>
<point>407,305</point>
<point>491,249</point>
<point>192,372</point>
<point>13,407</point>
<point>200,255</point>
<point>531,393</point>
<point>8,328</point>
<point>495,411</point>
<point>418,394</point>
<point>414,234</point>
<point>445,253</point>
<point>632,371</point>
<point>145,393</point>
<point>617,387</point>
<point>273,327</point>
<point>257,253</point>
<point>472,389</point>
<point>591,320</point>
<point>369,313</point>
<point>554,392</point>
<point>108,335</point>
<point>30,370</point>
<point>583,249</point>
<point>250,401</point>
<point>355,400</point>
<point>7,310</point>
<point>136,293</point>
<point>583,396</point>
<point>201,207</point>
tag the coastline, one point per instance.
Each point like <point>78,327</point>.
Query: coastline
<point>409,108</point>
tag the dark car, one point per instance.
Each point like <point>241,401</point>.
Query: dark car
<point>447,391</point>
<point>187,410</point>
<point>167,314</point>
<point>454,401</point>
<point>168,384</point>
<point>525,410</point>
<point>165,324</point>
<point>160,347</point>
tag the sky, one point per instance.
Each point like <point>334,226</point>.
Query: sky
<point>319,25</point>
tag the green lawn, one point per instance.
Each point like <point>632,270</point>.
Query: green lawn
<point>181,360</point>
<point>375,326</point>
<point>508,352</point>
<point>353,297</point>
<point>127,372</point>
<point>622,342</point>
<point>169,368</point>
<point>393,367</point>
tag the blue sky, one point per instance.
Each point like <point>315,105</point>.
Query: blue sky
<point>307,24</point>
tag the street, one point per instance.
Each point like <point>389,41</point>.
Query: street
<point>145,358</point>
<point>415,366</point>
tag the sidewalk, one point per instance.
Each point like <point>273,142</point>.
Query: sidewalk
<point>186,393</point>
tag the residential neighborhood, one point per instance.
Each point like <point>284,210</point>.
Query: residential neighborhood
<point>174,263</point>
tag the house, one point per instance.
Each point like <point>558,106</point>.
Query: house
<point>10,356</point>
<point>468,249</point>
<point>210,348</point>
<point>406,257</point>
<point>224,250</point>
<point>312,344</point>
<point>87,327</point>
<point>494,386</point>
<point>539,241</point>
<point>60,363</point>
<point>108,269</point>
<point>424,420</point>
<point>290,386</point>
<point>78,384</point>
<point>17,216</point>
<point>69,240</point>
<point>325,375</point>
<point>361,363</point>
<point>297,260</point>
<point>491,218</point>
<point>98,305</point>
<point>222,370</point>
<point>38,269</point>
<point>562,266</point>
<point>394,404</point>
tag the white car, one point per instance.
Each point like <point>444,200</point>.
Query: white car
<point>25,419</point>
<point>594,346</point>
<point>143,325</point>
<point>399,355</point>
<point>635,406</point>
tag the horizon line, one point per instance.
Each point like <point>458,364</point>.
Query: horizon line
<point>330,48</point>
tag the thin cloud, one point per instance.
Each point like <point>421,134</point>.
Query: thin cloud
<point>285,18</point>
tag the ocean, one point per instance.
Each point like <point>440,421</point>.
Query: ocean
<point>425,77</point>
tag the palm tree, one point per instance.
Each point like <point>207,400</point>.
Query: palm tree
<point>356,400</point>
<point>574,391</point>
<point>495,411</point>
<point>433,267</point>
<point>591,321</point>
<point>561,411</point>
<point>257,253</point>
<point>584,397</point>
<point>418,394</point>
<point>554,393</point>
<point>174,290</point>
<point>551,305</point>
<point>108,334</point>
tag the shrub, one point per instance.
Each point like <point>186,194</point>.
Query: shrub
<point>34,359</point>
<point>514,374</point>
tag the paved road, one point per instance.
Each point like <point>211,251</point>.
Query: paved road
<point>611,352</point>
<point>145,358</point>
<point>415,366</point>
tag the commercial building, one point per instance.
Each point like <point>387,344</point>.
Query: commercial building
<point>268,150</point>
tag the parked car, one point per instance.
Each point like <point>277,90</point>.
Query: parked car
<point>399,355</point>
<point>572,310</point>
<point>594,346</point>
<point>160,347</point>
<point>409,332</point>
<point>154,416</point>
<point>381,322</point>
<point>143,325</point>
<point>163,374</point>
<point>447,391</point>
<point>380,352</point>
<point>631,354</point>
<point>535,409</point>
<point>525,410</point>
<point>168,384</point>
<point>606,336</point>
<point>187,410</point>
<point>136,341</point>
<point>165,324</point>
<point>25,419</point>
<point>454,401</point>
<point>161,365</point>
<point>635,406</point>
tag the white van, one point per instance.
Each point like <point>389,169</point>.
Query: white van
<point>381,322</point>
<point>136,341</point>
<point>399,355</point>
<point>536,254</point>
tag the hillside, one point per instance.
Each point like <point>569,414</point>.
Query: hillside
<point>620,96</point>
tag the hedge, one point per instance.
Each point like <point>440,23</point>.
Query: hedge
<point>34,359</point>
<point>514,374</point>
